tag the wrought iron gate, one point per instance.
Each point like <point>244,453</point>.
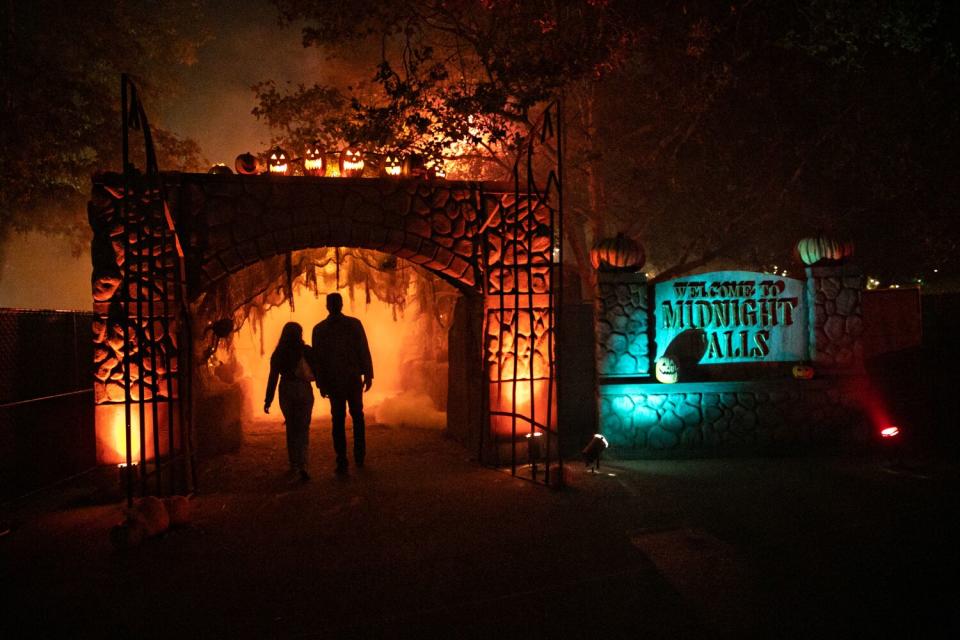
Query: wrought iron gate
<point>141,327</point>
<point>523,287</point>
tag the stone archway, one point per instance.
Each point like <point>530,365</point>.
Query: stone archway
<point>155,249</point>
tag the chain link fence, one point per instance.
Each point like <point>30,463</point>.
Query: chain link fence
<point>46,398</point>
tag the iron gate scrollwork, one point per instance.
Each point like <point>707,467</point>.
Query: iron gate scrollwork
<point>521,261</point>
<point>141,328</point>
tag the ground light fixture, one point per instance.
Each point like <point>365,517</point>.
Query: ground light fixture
<point>534,448</point>
<point>891,440</point>
<point>591,453</point>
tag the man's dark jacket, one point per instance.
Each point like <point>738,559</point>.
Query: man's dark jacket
<point>341,348</point>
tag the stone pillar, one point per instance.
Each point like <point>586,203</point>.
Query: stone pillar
<point>136,321</point>
<point>623,326</point>
<point>835,321</point>
<point>519,338</point>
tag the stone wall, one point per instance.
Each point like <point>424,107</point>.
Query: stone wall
<point>623,336</point>
<point>743,407</point>
<point>691,418</point>
<point>836,320</point>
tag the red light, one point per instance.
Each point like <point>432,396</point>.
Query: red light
<point>890,432</point>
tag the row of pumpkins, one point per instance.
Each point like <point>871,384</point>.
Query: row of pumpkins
<point>621,253</point>
<point>351,162</point>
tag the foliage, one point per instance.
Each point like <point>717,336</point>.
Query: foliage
<point>717,133</point>
<point>61,99</point>
<point>458,79</point>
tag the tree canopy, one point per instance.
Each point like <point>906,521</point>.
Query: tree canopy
<point>715,133</point>
<point>60,103</point>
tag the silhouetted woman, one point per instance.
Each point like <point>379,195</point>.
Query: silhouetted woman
<point>292,363</point>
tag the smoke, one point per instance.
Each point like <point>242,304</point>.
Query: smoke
<point>408,349</point>
<point>42,271</point>
<point>248,47</point>
<point>411,410</point>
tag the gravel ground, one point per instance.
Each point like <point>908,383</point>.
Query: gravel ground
<point>423,542</point>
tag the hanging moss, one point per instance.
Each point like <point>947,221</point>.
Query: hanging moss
<point>249,294</point>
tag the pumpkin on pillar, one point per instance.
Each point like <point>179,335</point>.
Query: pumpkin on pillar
<point>822,249</point>
<point>619,253</point>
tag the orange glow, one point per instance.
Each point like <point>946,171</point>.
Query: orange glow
<point>351,163</point>
<point>501,401</point>
<point>314,166</point>
<point>278,161</point>
<point>408,350</point>
<point>111,432</point>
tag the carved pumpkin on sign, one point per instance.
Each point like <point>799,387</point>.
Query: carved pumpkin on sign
<point>278,162</point>
<point>315,160</point>
<point>351,162</point>
<point>618,254</point>
<point>246,164</point>
<point>802,372</point>
<point>823,250</point>
<point>665,369</point>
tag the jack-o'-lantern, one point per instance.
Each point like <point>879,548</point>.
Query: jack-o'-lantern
<point>802,372</point>
<point>823,250</point>
<point>392,166</point>
<point>666,370</point>
<point>351,162</point>
<point>277,162</point>
<point>220,169</point>
<point>618,254</point>
<point>315,160</point>
<point>246,164</point>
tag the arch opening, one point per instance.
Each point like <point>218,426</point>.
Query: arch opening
<point>406,311</point>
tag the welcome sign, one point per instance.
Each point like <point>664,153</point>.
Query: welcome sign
<point>743,316</point>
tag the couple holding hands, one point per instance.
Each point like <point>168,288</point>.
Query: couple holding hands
<point>339,363</point>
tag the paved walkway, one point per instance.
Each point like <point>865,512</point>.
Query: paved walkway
<point>423,542</point>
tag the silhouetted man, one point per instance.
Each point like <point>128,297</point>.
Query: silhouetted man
<point>346,371</point>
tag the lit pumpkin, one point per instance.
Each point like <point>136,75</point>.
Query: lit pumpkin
<point>618,254</point>
<point>351,162</point>
<point>315,160</point>
<point>278,162</point>
<point>802,372</point>
<point>823,250</point>
<point>178,509</point>
<point>665,369</point>
<point>246,164</point>
<point>220,169</point>
<point>392,166</point>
